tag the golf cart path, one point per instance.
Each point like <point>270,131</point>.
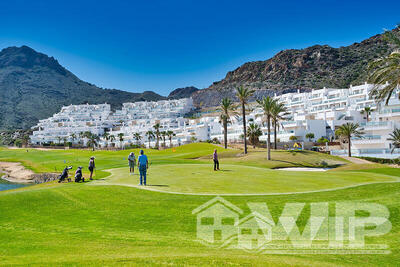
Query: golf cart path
<point>150,188</point>
<point>356,160</point>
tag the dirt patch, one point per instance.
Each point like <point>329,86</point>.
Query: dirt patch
<point>15,172</point>
<point>356,160</point>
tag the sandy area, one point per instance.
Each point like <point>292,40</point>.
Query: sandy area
<point>16,172</point>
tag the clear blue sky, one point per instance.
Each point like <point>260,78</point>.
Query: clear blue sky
<point>161,45</point>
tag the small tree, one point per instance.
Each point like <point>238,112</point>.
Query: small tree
<point>254,132</point>
<point>347,131</point>
<point>137,138</point>
<point>293,138</point>
<point>121,139</point>
<point>170,134</point>
<point>322,140</point>
<point>150,135</point>
<point>310,136</point>
<point>367,111</point>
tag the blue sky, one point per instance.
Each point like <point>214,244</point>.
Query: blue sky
<point>161,45</point>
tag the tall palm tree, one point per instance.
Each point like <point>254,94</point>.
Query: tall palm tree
<point>385,72</point>
<point>395,138</point>
<point>137,138</point>
<point>157,127</point>
<point>267,104</point>
<point>163,135</point>
<point>367,111</point>
<point>170,134</point>
<point>347,131</point>
<point>227,108</point>
<point>150,135</point>
<point>59,139</point>
<point>254,132</point>
<point>279,111</point>
<point>244,94</point>
<point>121,139</point>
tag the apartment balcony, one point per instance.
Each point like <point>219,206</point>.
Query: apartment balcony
<point>368,139</point>
<point>376,125</point>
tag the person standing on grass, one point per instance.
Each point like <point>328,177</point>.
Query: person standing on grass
<point>92,166</point>
<point>132,162</point>
<point>143,165</point>
<point>216,162</point>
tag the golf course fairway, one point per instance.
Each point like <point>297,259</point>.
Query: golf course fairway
<point>239,179</point>
<point>101,223</point>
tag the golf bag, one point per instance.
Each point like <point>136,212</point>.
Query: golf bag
<point>64,175</point>
<point>78,175</point>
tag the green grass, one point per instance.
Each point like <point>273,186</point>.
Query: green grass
<point>239,179</point>
<point>82,224</point>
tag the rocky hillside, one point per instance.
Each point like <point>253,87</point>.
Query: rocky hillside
<point>33,86</point>
<point>182,92</point>
<point>313,67</point>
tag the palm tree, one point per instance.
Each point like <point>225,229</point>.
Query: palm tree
<point>244,94</point>
<point>81,136</point>
<point>278,112</point>
<point>254,132</point>
<point>163,135</point>
<point>227,108</point>
<point>92,140</point>
<point>112,139</point>
<point>157,127</point>
<point>137,137</point>
<point>267,104</point>
<point>395,138</point>
<point>59,139</point>
<point>73,137</point>
<point>385,72</point>
<point>106,137</point>
<point>170,134</point>
<point>310,136</point>
<point>367,111</point>
<point>149,135</point>
<point>347,131</point>
<point>121,138</point>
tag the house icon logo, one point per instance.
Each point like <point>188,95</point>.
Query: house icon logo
<point>217,221</point>
<point>254,231</point>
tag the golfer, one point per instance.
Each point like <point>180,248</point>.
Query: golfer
<point>92,166</point>
<point>132,162</point>
<point>216,162</point>
<point>143,165</point>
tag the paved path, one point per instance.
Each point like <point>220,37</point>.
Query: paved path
<point>356,160</point>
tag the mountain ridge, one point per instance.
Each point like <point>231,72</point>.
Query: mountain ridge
<point>309,68</point>
<point>34,86</point>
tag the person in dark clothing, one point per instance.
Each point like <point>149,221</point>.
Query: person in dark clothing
<point>78,175</point>
<point>216,162</point>
<point>92,166</point>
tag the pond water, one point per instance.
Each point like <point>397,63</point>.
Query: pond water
<point>6,185</point>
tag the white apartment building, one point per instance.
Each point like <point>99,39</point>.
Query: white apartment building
<point>319,112</point>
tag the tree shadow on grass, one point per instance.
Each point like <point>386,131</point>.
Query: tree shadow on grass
<point>158,185</point>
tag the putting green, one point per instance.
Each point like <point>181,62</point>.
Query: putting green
<point>236,179</point>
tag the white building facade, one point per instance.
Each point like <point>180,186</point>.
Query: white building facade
<point>319,112</point>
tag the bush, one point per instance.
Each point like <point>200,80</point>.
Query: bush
<point>322,140</point>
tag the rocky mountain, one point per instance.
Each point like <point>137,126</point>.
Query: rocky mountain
<point>34,86</point>
<point>314,67</point>
<point>182,92</point>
